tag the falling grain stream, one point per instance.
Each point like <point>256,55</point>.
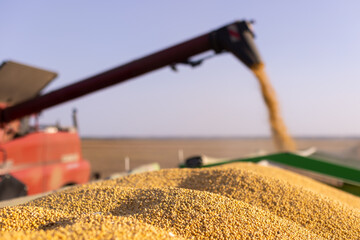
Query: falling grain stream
<point>282,139</point>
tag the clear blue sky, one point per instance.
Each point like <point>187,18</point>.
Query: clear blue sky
<point>311,50</point>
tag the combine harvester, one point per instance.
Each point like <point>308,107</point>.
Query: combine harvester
<point>35,159</point>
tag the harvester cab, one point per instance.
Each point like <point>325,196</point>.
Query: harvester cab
<point>47,160</point>
<point>18,83</point>
<point>33,158</point>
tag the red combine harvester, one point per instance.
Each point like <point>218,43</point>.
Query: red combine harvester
<point>35,159</point>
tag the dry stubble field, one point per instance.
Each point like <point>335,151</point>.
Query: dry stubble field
<point>106,156</point>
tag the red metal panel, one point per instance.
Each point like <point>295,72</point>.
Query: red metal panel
<point>59,174</point>
<point>25,150</point>
<point>61,146</point>
<point>32,177</point>
<point>46,161</point>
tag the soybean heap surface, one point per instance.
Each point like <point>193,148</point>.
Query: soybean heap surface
<point>238,201</point>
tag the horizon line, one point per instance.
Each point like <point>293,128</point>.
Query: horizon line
<point>220,137</point>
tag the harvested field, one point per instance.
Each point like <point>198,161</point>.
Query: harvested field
<point>107,156</point>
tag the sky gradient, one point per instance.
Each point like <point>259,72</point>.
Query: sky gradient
<point>311,50</point>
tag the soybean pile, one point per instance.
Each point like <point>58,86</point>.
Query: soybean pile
<point>237,201</point>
